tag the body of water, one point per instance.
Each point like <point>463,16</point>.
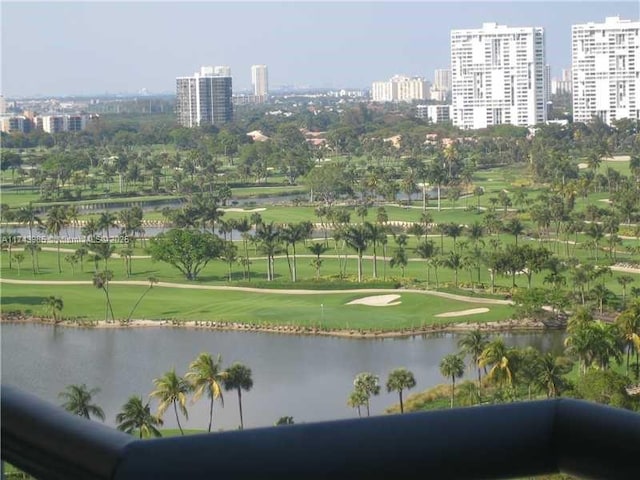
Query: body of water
<point>308,378</point>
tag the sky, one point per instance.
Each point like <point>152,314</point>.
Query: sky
<point>92,48</point>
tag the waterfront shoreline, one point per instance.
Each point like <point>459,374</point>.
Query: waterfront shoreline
<point>499,326</point>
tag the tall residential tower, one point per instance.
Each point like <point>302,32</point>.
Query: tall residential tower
<point>498,76</point>
<point>260,81</point>
<point>204,99</point>
<point>606,73</point>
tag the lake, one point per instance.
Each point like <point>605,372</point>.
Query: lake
<point>306,377</point>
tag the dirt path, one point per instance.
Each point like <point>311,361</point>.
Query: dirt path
<point>451,296</point>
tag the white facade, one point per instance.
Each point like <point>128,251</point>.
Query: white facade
<point>204,99</point>
<point>400,89</point>
<point>260,80</point>
<point>434,113</point>
<point>215,71</point>
<point>498,76</point>
<point>606,75</point>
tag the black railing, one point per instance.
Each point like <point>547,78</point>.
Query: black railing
<point>498,441</point>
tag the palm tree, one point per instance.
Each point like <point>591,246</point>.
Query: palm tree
<point>356,237</point>
<point>400,379</point>
<point>101,281</point>
<point>454,262</point>
<point>551,370</point>
<point>78,401</point>
<point>268,235</point>
<point>452,366</point>
<point>426,250</point>
<point>238,378</point>
<point>317,249</point>
<point>400,259</point>
<point>136,416</point>
<point>468,393</point>
<point>29,215</point>
<point>172,389</point>
<point>80,253</point>
<point>367,384</point>
<point>56,221</point>
<point>376,232</point>
<point>629,324</point>
<point>106,221</point>
<point>19,258</point>
<point>472,344</point>
<point>205,375</point>
<point>515,228</point>
<point>55,306</point>
<point>357,399</point>
<point>625,280</point>
<point>498,356</point>
<point>152,282</point>
<point>292,234</point>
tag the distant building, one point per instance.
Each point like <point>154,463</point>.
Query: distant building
<point>400,89</point>
<point>204,99</point>
<point>3,105</point>
<point>562,85</point>
<point>434,113</point>
<point>48,123</point>
<point>498,76</point>
<point>260,81</point>
<point>604,64</point>
<point>216,71</point>
<point>15,124</point>
<point>441,88</point>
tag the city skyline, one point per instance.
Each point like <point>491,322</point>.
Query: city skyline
<point>139,46</point>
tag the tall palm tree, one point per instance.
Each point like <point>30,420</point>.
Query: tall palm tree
<point>515,227</point>
<point>292,234</point>
<point>367,384</point>
<point>136,416</point>
<point>101,281</point>
<point>268,235</point>
<point>78,400</point>
<point>206,375</point>
<point>426,250</point>
<point>629,324</point>
<point>472,344</point>
<point>152,282</point>
<point>238,378</point>
<point>454,262</point>
<point>375,231</point>
<point>317,249</point>
<point>356,237</point>
<point>106,221</point>
<point>172,389</point>
<point>400,379</point>
<point>56,221</point>
<point>29,215</point>
<point>452,366</point>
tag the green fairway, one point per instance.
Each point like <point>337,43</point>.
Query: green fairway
<point>325,309</point>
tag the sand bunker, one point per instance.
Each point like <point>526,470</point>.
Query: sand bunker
<point>251,210</point>
<point>377,301</point>
<point>462,313</point>
<point>617,158</point>
<point>582,166</point>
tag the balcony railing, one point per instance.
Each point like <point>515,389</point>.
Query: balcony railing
<point>498,441</point>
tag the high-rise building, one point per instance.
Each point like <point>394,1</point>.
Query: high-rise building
<point>562,85</point>
<point>606,73</point>
<point>204,99</point>
<point>400,89</point>
<point>216,71</point>
<point>498,76</point>
<point>441,87</point>
<point>260,80</point>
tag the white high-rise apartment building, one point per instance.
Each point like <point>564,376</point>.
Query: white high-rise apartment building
<point>606,73</point>
<point>400,89</point>
<point>260,80</point>
<point>216,71</point>
<point>204,99</point>
<point>498,76</point>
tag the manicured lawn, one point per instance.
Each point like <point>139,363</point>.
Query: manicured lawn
<point>326,309</point>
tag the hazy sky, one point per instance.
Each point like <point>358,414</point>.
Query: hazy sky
<point>56,48</point>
